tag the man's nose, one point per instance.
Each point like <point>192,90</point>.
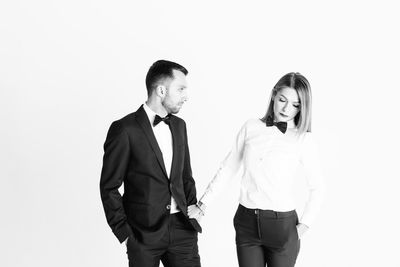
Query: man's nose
<point>185,97</point>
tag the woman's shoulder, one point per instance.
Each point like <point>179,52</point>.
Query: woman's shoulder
<point>250,126</point>
<point>253,122</point>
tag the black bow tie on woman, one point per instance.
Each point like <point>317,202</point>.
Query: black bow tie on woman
<point>281,125</point>
<point>158,119</point>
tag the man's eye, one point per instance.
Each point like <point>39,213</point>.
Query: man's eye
<point>281,100</point>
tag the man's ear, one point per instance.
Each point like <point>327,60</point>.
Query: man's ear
<point>161,91</point>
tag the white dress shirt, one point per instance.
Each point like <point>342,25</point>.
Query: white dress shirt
<point>164,139</point>
<point>271,162</point>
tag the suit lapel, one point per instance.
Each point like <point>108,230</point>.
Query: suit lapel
<point>143,120</point>
<point>176,138</point>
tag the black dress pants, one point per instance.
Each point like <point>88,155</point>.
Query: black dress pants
<point>266,238</point>
<point>177,248</point>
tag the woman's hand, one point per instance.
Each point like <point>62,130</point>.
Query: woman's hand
<point>301,229</point>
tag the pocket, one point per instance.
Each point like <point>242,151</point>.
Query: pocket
<point>239,217</point>
<point>235,217</point>
<point>185,223</point>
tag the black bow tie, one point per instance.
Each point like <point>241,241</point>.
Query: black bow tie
<point>281,125</point>
<point>158,119</point>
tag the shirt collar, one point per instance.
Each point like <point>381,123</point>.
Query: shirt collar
<point>150,113</point>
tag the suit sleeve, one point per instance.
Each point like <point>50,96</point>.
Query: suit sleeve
<point>188,181</point>
<point>115,162</point>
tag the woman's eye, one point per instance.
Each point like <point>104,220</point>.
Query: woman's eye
<point>281,100</point>
<point>296,106</point>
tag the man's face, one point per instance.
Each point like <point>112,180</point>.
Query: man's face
<point>176,94</point>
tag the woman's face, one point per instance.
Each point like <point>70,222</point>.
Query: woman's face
<point>286,104</point>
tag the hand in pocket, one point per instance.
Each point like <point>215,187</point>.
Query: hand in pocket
<point>301,229</point>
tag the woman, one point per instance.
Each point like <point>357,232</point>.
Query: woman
<point>272,150</point>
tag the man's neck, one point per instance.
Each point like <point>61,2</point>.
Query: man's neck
<point>157,107</point>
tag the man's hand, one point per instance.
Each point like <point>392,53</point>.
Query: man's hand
<point>195,213</point>
<point>301,229</point>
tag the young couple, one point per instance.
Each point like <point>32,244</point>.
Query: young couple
<point>157,216</point>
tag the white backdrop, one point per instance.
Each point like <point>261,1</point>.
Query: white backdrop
<point>69,68</point>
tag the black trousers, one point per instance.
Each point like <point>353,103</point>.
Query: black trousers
<point>266,238</point>
<point>178,247</point>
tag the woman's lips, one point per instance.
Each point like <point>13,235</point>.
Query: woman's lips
<point>283,115</point>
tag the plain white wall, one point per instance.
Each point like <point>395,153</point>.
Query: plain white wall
<point>69,68</point>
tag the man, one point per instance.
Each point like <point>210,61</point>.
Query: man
<point>148,152</point>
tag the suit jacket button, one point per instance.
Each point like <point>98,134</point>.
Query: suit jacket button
<point>168,207</point>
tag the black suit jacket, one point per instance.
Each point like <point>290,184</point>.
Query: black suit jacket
<point>132,156</point>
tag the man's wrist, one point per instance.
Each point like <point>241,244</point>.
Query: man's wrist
<point>201,206</point>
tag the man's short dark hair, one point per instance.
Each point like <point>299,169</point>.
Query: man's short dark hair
<point>160,70</point>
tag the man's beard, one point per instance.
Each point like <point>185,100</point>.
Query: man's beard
<point>171,109</point>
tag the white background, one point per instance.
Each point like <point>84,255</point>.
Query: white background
<point>69,68</point>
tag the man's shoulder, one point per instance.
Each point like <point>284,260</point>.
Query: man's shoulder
<point>126,121</point>
<point>128,117</point>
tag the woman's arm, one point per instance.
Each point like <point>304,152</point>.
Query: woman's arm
<point>227,170</point>
<point>312,167</point>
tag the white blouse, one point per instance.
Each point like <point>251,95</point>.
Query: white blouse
<point>271,162</point>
